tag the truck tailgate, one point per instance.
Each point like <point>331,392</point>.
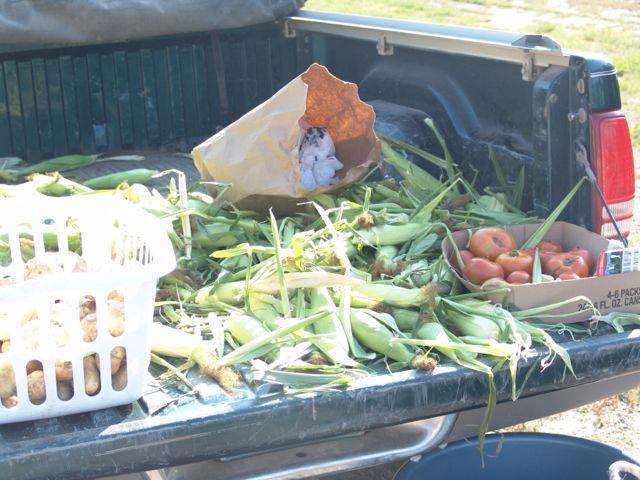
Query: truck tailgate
<point>166,427</point>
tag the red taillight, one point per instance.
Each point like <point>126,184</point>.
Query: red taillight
<point>612,163</point>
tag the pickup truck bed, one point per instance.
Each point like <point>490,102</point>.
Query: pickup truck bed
<point>164,95</point>
<point>166,428</point>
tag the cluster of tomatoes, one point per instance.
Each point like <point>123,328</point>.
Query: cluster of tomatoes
<point>493,253</point>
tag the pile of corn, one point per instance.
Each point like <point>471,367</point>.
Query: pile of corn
<point>353,283</point>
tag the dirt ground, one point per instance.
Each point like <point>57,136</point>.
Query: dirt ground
<point>614,421</point>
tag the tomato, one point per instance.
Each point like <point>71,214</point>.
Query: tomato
<point>515,260</point>
<point>529,251</point>
<point>518,277</point>
<point>584,253</point>
<point>549,246</point>
<point>545,257</point>
<point>546,250</point>
<point>478,270</point>
<point>568,275</point>
<point>562,262</point>
<point>464,254</point>
<point>489,242</point>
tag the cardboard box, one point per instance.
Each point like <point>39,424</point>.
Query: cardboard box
<point>610,293</point>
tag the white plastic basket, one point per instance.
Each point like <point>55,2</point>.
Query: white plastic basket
<point>62,324</point>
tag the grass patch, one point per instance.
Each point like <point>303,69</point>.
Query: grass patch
<point>544,28</point>
<point>635,134</point>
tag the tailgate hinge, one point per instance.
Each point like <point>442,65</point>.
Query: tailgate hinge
<point>383,47</point>
<point>287,30</point>
<point>528,70</point>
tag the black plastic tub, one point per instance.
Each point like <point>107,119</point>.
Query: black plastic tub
<point>525,456</point>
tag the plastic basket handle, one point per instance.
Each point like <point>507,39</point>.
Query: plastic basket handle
<point>621,466</point>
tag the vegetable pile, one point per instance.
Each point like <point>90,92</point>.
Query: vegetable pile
<point>353,284</point>
<point>493,254</point>
<point>63,319</point>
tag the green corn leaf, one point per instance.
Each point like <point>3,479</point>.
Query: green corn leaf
<point>518,189</point>
<point>284,296</point>
<point>497,168</point>
<point>58,164</point>
<point>542,230</point>
<point>430,157</point>
<point>70,162</point>
<point>450,164</point>
<point>248,350</point>
<point>412,174</point>
<point>424,214</point>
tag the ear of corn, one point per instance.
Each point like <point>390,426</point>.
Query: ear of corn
<point>382,235</point>
<point>58,164</point>
<point>247,351</point>
<point>375,336</point>
<point>264,311</point>
<point>246,328</point>
<point>330,325</point>
<point>112,180</point>
<point>405,319</point>
<point>393,295</point>
<point>331,338</point>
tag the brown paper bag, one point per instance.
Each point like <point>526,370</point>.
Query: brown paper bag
<point>258,153</point>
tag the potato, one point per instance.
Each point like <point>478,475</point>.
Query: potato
<point>5,346</point>
<point>87,305</point>
<point>65,390</point>
<point>7,280</point>
<point>33,365</point>
<point>89,327</point>
<point>28,315</point>
<point>32,335</point>
<point>46,264</point>
<point>62,313</point>
<point>51,263</point>
<point>91,375</point>
<point>64,371</point>
<point>36,387</point>
<point>119,380</point>
<point>116,318</point>
<point>10,402</point>
<point>118,357</point>
<point>7,381</point>
<point>35,336</point>
<point>116,296</point>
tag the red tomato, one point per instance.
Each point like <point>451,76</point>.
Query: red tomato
<point>568,275</point>
<point>546,250</point>
<point>564,261</point>
<point>518,277</point>
<point>464,254</point>
<point>585,254</point>
<point>545,257</point>
<point>489,242</point>
<point>478,270</point>
<point>549,246</point>
<point>514,260</point>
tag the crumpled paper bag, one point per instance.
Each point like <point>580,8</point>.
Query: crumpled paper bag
<point>258,153</point>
